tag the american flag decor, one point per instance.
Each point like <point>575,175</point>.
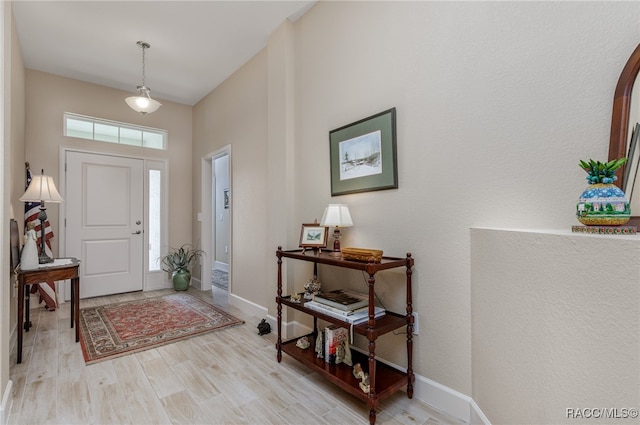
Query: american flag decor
<point>47,290</point>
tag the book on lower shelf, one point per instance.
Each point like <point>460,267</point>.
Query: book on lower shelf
<point>341,299</point>
<point>334,336</point>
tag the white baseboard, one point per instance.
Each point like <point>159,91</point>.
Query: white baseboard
<point>197,283</point>
<point>217,265</point>
<point>443,398</point>
<point>7,401</point>
<point>13,338</point>
<point>34,301</point>
<point>248,307</point>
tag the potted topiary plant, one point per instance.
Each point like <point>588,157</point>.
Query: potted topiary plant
<point>178,262</point>
<point>603,203</point>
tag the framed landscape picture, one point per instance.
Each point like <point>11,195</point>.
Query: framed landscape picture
<point>313,236</point>
<point>363,155</point>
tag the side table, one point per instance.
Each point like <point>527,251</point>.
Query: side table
<point>60,269</point>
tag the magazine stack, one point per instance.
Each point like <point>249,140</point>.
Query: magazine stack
<point>351,307</point>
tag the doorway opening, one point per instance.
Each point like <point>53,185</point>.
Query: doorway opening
<point>217,223</point>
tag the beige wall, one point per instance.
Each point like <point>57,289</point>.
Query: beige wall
<point>13,119</point>
<point>496,104</point>
<point>235,114</point>
<point>556,325</point>
<point>16,165</point>
<point>49,96</point>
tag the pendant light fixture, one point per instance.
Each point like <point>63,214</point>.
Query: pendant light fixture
<point>143,102</point>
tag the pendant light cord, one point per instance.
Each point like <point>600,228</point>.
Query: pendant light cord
<point>143,64</point>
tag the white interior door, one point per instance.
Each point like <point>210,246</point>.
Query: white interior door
<point>104,222</point>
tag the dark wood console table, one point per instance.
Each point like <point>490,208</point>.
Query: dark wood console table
<point>384,379</point>
<point>46,273</point>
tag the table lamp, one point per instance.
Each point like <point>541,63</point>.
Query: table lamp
<point>42,189</point>
<point>336,215</point>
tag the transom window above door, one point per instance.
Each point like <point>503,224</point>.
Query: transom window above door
<point>101,130</point>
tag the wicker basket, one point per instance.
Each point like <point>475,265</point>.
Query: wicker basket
<point>362,254</point>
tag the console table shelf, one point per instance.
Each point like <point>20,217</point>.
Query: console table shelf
<point>388,379</point>
<point>385,324</point>
<point>384,380</point>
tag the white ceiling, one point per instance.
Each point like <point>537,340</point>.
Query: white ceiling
<point>195,45</point>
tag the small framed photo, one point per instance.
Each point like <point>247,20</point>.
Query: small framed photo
<point>313,236</point>
<point>226,199</point>
<point>363,155</point>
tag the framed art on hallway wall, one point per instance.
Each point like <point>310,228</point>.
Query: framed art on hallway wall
<point>363,155</point>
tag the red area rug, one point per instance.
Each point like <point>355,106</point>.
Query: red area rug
<point>118,329</point>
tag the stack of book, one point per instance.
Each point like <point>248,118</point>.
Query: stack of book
<point>350,307</point>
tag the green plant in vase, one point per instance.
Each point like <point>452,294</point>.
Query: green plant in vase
<point>179,262</point>
<point>602,203</point>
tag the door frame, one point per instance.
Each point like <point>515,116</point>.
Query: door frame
<point>147,282</point>
<point>207,230</point>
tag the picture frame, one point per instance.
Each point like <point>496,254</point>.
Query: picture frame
<point>312,235</point>
<point>363,155</point>
<point>226,199</point>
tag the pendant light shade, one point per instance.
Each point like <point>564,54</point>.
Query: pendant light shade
<point>143,103</point>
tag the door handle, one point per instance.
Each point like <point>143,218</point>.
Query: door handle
<point>137,232</point>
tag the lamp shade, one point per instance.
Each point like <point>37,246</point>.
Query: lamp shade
<point>41,188</point>
<point>336,215</point>
<point>143,103</point>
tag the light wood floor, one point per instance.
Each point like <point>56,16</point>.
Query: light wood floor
<point>225,377</point>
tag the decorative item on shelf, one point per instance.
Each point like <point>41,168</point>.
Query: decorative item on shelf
<point>295,298</point>
<point>311,288</point>
<point>143,103</point>
<point>313,235</point>
<point>319,348</point>
<point>178,262</point>
<point>29,256</point>
<point>362,254</point>
<point>602,203</point>
<point>362,376</point>
<point>42,189</point>
<point>357,371</point>
<point>336,215</point>
<point>343,353</point>
<point>264,327</point>
<point>303,343</point>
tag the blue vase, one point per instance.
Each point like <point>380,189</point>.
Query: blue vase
<point>603,204</point>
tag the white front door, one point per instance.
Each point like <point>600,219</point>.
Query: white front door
<point>104,222</point>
